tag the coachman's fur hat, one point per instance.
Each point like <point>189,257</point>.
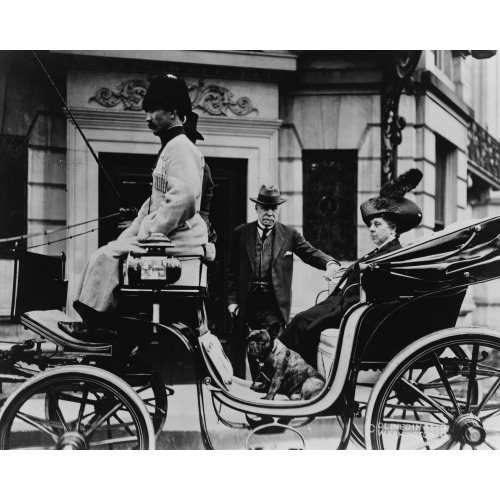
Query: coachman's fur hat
<point>167,92</point>
<point>403,212</point>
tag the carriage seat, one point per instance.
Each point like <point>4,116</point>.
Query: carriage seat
<point>326,350</point>
<point>44,323</point>
<point>222,371</point>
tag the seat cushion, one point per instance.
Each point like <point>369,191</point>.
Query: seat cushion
<point>326,350</point>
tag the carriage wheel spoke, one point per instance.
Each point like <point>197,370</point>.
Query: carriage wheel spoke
<point>488,395</point>
<point>83,403</point>
<point>422,431</point>
<point>446,383</point>
<point>124,425</point>
<point>400,432</point>
<point>110,442</point>
<point>431,442</point>
<point>492,414</point>
<point>50,394</point>
<point>417,423</point>
<point>102,418</point>
<point>489,445</point>
<point>37,423</point>
<point>447,445</point>
<point>472,376</point>
<point>427,398</point>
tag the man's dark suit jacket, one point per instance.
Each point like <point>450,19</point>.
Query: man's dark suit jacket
<point>303,333</point>
<point>287,241</point>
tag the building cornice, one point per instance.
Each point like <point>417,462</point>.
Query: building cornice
<point>249,65</point>
<point>429,82</point>
<point>131,120</point>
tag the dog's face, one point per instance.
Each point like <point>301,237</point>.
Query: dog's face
<point>260,342</point>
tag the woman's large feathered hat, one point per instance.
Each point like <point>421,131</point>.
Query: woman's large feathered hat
<point>392,201</point>
<point>167,92</point>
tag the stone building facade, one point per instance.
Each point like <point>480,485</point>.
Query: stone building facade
<point>310,121</point>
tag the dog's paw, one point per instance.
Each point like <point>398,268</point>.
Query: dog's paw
<point>295,397</point>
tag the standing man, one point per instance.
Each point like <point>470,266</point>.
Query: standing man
<point>172,209</point>
<point>260,270</point>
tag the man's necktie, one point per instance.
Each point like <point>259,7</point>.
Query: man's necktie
<point>265,232</point>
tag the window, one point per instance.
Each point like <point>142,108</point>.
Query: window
<point>330,201</point>
<point>446,191</point>
<point>443,59</point>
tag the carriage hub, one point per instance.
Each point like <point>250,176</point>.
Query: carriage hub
<point>72,441</point>
<point>468,429</point>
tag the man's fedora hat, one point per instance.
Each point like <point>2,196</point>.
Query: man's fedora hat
<point>269,195</point>
<point>167,92</point>
<point>404,212</point>
<point>190,127</point>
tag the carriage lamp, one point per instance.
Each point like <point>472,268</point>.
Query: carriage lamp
<point>157,267</point>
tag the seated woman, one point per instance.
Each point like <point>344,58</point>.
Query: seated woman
<point>386,216</point>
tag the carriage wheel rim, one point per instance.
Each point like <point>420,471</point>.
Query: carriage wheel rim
<point>62,432</point>
<point>462,423</point>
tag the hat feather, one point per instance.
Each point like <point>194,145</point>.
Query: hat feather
<point>402,184</point>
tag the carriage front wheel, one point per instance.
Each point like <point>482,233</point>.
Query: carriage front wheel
<point>441,392</point>
<point>91,409</point>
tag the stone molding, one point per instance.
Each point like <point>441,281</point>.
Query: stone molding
<point>213,99</point>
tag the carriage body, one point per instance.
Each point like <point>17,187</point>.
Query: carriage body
<point>409,296</point>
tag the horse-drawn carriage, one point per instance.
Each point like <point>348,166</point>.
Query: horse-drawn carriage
<point>438,384</point>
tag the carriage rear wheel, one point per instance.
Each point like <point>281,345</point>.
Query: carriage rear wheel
<point>90,409</point>
<point>441,392</point>
<point>149,387</point>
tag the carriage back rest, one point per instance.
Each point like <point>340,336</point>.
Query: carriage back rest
<point>38,283</point>
<point>391,326</point>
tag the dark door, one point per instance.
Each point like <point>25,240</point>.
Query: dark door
<point>131,174</point>
<point>330,201</point>
<point>227,211</point>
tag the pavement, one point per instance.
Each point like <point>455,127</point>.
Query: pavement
<point>181,430</point>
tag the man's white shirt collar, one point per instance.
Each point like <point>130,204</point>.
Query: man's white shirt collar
<point>261,228</point>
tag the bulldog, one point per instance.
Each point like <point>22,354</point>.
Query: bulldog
<point>288,372</point>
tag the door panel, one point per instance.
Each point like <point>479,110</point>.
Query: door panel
<point>131,174</point>
<point>228,210</point>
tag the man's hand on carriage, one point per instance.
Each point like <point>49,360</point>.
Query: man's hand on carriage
<point>333,270</point>
<point>234,310</point>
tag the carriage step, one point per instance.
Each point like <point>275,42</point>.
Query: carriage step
<point>44,323</point>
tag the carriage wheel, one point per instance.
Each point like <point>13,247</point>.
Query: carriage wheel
<point>149,387</point>
<point>441,392</point>
<point>91,409</point>
<point>361,396</point>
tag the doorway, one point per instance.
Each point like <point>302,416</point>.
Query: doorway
<point>131,174</point>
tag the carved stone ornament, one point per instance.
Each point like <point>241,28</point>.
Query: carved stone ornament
<point>217,100</point>
<point>129,93</point>
<point>213,99</point>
